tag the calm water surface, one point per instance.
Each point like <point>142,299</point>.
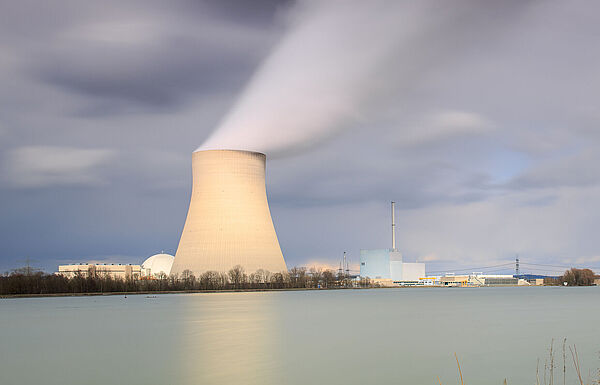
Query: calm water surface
<point>383,336</point>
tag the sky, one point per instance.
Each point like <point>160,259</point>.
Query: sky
<point>480,120</point>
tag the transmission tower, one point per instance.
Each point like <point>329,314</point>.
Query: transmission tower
<point>346,268</point>
<point>28,269</point>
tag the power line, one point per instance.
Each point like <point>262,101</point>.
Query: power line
<point>496,271</point>
<point>542,269</point>
<point>521,263</point>
<point>560,266</point>
<point>473,268</point>
<point>541,264</point>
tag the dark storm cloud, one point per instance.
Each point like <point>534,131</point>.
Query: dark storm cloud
<point>161,75</point>
<point>256,11</point>
<point>155,58</point>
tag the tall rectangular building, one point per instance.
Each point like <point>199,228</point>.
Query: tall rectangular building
<point>375,263</point>
<point>388,264</point>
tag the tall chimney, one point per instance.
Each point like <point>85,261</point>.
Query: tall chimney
<point>393,227</point>
<point>229,222</point>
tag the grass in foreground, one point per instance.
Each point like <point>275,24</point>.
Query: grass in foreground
<point>549,368</point>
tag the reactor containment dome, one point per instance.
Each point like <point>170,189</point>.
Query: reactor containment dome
<point>156,264</point>
<point>228,222</point>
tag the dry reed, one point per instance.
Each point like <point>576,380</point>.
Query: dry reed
<point>459,371</point>
<point>575,357</point>
<point>549,366</point>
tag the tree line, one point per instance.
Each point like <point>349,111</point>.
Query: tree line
<point>573,277</point>
<point>29,282</point>
<point>25,282</point>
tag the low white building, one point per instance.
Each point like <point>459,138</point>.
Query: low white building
<point>496,279</point>
<point>480,279</point>
<point>119,271</point>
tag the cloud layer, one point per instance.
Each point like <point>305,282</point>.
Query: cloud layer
<point>480,120</point>
<point>41,166</point>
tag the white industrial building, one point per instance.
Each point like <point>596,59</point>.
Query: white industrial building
<point>480,279</point>
<point>85,270</point>
<point>387,266</point>
<point>157,265</point>
<point>152,267</point>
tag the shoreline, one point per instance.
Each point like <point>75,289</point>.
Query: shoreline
<point>125,293</point>
<point>96,294</point>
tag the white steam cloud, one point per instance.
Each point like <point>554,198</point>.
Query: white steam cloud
<point>338,58</point>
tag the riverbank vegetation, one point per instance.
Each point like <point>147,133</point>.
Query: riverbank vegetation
<point>573,277</point>
<point>555,369</point>
<point>27,282</point>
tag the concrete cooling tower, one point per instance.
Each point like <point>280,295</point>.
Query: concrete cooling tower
<point>228,222</point>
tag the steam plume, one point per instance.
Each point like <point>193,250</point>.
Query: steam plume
<point>337,58</point>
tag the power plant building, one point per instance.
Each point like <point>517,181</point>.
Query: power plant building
<point>156,265</point>
<point>228,222</point>
<point>388,265</point>
<point>118,271</point>
<point>480,279</point>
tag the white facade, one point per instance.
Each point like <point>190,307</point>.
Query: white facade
<point>100,270</point>
<point>396,266</point>
<point>412,271</point>
<point>388,264</point>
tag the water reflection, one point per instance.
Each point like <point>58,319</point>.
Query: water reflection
<point>395,336</point>
<point>231,339</point>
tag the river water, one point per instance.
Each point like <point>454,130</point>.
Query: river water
<point>378,336</point>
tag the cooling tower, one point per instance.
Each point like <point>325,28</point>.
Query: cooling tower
<point>228,222</point>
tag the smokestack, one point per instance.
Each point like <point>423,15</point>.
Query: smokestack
<point>393,227</point>
<point>228,222</point>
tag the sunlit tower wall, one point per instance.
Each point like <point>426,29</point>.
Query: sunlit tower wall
<point>228,222</point>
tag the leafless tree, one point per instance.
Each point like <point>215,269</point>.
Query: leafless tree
<point>237,277</point>
<point>188,279</point>
<point>328,278</point>
<point>298,277</point>
<point>316,276</point>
